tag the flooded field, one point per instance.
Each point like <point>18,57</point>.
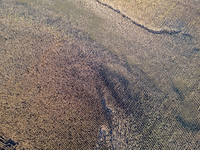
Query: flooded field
<point>80,74</point>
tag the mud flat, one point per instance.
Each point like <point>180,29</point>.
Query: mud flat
<point>79,75</point>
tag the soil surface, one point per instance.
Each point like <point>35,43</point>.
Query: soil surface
<point>86,75</point>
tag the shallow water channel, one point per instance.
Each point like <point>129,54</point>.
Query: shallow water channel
<point>81,75</point>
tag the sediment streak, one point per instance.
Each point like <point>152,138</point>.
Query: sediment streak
<point>159,31</point>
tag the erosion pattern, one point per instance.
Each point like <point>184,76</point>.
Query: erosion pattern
<point>159,31</point>
<point>55,89</point>
<point>159,17</point>
<point>61,90</point>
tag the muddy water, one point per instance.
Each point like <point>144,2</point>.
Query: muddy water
<point>79,75</point>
